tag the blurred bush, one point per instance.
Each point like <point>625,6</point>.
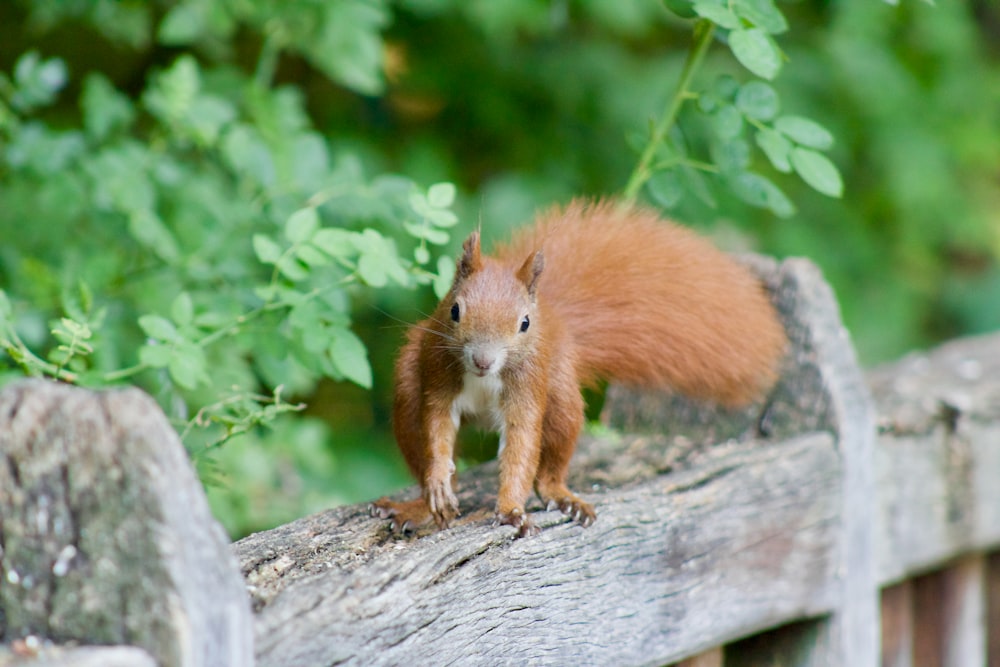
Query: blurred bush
<point>230,203</point>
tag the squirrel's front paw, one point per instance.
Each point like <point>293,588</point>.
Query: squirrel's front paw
<point>442,502</point>
<point>517,518</point>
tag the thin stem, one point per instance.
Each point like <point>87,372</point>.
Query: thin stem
<point>703,32</point>
<point>267,61</point>
<point>32,363</point>
<point>122,373</point>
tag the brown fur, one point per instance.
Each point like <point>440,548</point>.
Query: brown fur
<point>615,293</point>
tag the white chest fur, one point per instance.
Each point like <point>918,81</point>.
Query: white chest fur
<point>479,403</point>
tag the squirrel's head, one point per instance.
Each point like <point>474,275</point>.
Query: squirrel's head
<point>492,309</point>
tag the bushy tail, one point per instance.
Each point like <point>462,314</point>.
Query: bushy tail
<point>651,303</point>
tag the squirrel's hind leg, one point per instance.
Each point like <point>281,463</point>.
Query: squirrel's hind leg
<point>406,515</point>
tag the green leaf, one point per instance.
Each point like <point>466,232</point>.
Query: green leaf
<point>37,81</point>
<point>445,276</point>
<point>159,328</point>
<point>694,182</point>
<point>379,260</point>
<point>717,13</point>
<point>311,256</point>
<point>804,131</point>
<point>758,100</point>
<point>762,14</point>
<point>188,366</point>
<point>707,102</point>
<point>426,232</point>
<point>266,249</point>
<point>311,167</point>
<point>439,217</point>
<point>776,147</point>
<point>248,155</point>
<point>759,191</point>
<point>174,90</point>
<point>350,357</point>
<point>67,330</point>
<point>183,24</point>
<point>727,122</point>
<point>682,8</point>
<point>441,195</point>
<point>725,87</point>
<point>315,340</point>
<point>302,224</point>
<point>147,228</point>
<point>335,242</point>
<point>77,302</point>
<point>756,51</point>
<point>182,310</point>
<point>105,110</point>
<point>155,355</point>
<point>818,171</point>
<point>665,188</point>
<point>421,254</point>
<point>206,117</point>
<point>348,46</point>
<point>731,156</point>
<point>292,268</point>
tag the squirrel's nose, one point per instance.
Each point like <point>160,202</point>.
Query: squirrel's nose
<point>483,361</point>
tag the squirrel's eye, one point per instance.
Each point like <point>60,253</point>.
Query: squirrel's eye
<point>455,313</point>
<point>525,323</point>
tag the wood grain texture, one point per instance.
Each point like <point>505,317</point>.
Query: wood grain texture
<point>105,533</point>
<point>938,459</point>
<point>745,533</point>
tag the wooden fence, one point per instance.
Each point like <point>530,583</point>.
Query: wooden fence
<point>850,520</point>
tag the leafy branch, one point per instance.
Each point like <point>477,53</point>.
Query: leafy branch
<point>790,143</point>
<point>238,414</point>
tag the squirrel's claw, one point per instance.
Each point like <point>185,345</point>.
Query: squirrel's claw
<point>579,510</point>
<point>517,518</point>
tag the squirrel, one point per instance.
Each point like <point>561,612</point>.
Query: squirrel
<point>595,290</point>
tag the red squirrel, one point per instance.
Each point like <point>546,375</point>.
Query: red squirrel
<point>595,290</point>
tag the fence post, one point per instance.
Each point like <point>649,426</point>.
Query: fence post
<point>822,389</point>
<point>105,533</point>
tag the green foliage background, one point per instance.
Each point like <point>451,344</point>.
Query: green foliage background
<point>237,203</point>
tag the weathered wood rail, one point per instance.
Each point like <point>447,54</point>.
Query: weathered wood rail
<point>850,520</point>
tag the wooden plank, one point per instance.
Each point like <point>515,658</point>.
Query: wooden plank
<point>993,609</point>
<point>949,616</point>
<point>928,620</point>
<point>712,658</point>
<point>678,564</point>
<point>937,458</point>
<point>964,631</point>
<point>897,625</point>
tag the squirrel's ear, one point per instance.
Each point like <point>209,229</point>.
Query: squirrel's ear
<point>530,270</point>
<point>471,259</point>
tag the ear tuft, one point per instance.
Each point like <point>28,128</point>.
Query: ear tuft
<point>531,270</point>
<point>471,259</point>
